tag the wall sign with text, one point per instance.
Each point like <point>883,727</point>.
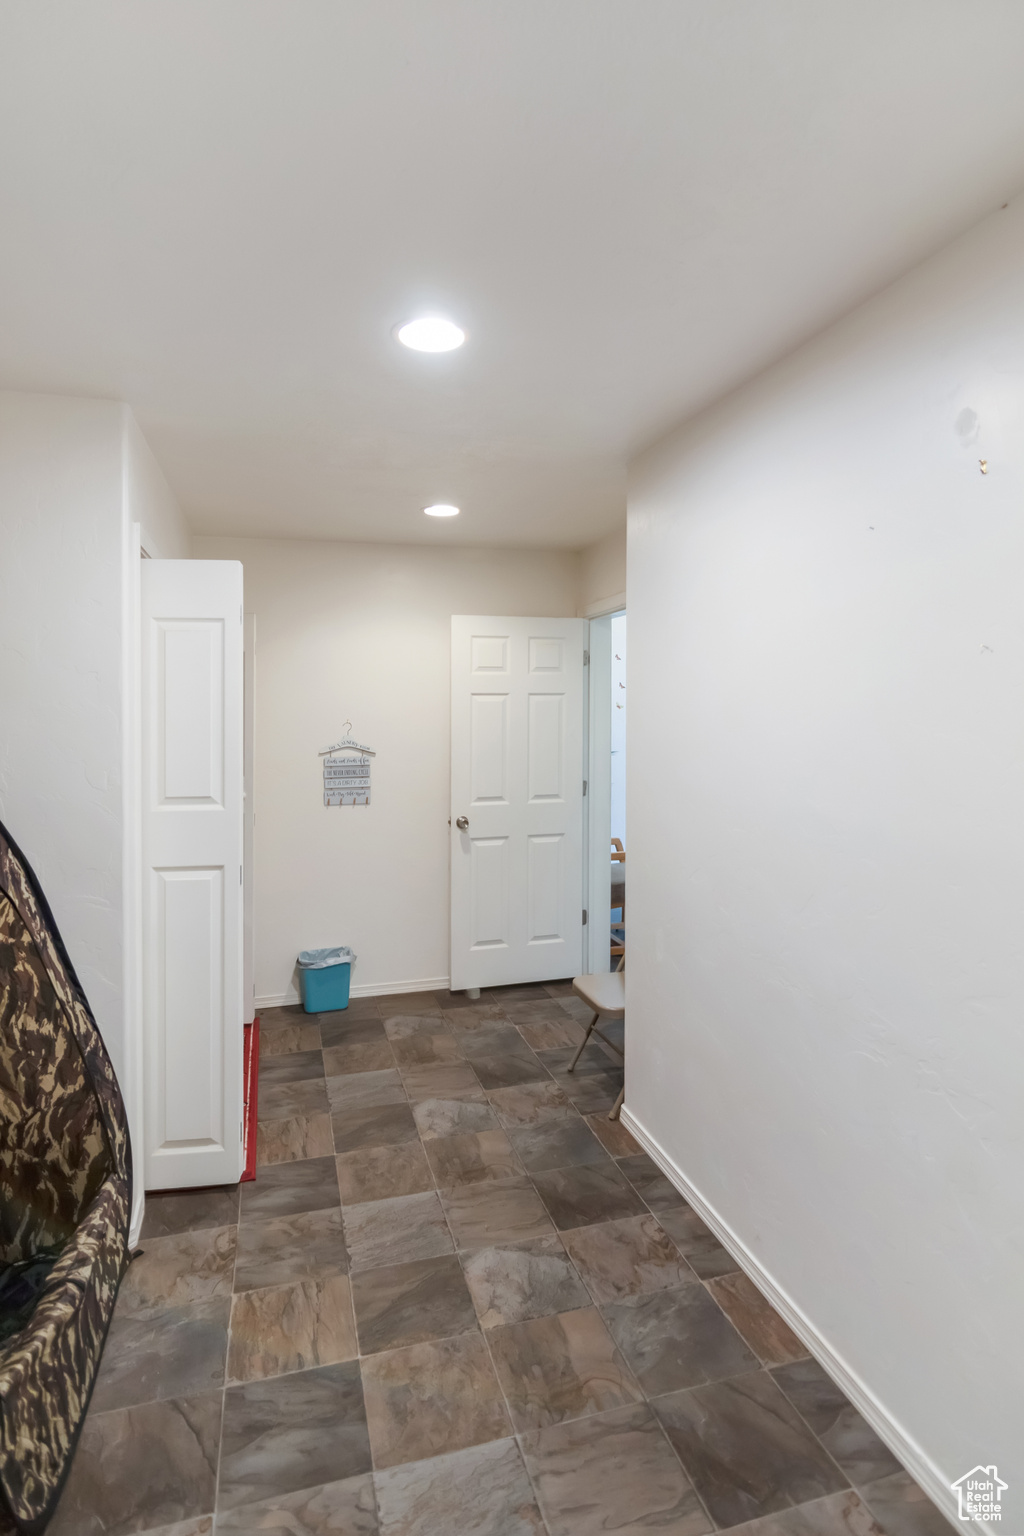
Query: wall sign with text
<point>347,772</point>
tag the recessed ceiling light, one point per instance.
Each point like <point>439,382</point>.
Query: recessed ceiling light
<point>431,334</point>
<point>441,509</point>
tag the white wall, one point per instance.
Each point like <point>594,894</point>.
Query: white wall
<point>603,574</point>
<point>60,673</point>
<point>75,475</point>
<point>362,632</point>
<point>826,815</point>
<point>150,501</point>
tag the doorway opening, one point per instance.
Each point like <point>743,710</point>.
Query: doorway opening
<point>617,777</point>
<point>606,802</point>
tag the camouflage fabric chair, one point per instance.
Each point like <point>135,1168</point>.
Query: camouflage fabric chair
<point>65,1200</point>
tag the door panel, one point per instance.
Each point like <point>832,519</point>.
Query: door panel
<point>190,930</point>
<point>192,782</point>
<point>544,883</point>
<point>489,653</point>
<point>517,776</point>
<point>489,857</point>
<point>488,748</point>
<point>546,737</point>
<point>190,739</point>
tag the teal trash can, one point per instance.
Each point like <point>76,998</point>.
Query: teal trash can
<point>325,975</point>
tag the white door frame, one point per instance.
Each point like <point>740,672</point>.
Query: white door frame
<point>599,794</point>
<point>249,823</point>
<point>134,1085</point>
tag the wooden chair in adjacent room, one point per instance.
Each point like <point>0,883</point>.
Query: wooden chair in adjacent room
<point>618,898</point>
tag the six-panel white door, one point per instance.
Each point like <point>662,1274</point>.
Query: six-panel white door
<point>192,782</point>
<point>517,783</point>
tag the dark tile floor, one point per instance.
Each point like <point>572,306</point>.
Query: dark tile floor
<point>458,1301</point>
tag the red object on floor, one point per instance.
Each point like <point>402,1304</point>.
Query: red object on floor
<point>251,1074</point>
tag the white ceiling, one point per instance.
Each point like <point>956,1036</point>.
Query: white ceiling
<point>217,210</point>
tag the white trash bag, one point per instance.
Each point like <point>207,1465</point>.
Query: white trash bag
<point>320,959</point>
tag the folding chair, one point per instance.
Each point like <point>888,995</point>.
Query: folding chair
<point>606,994</point>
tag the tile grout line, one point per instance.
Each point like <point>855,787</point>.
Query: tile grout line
<point>238,1225</point>
<point>647,1402</point>
<point>480,1328</point>
<point>439,1191</point>
<point>813,1433</point>
<point>348,1277</point>
<point>762,1365</point>
<point>497,1378</point>
<point>227,1350</point>
<point>352,1313</point>
<point>517,1434</point>
<point>684,1468</point>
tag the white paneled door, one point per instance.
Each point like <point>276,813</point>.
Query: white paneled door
<point>192,785</point>
<point>517,800</point>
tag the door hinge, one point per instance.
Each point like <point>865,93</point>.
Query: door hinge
<point>584,786</point>
<point>586,658</point>
<point>239,874</point>
<point>584,917</point>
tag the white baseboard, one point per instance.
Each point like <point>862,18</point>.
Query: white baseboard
<point>888,1429</point>
<point>393,988</point>
<point>277,1000</point>
<point>291,999</point>
<point>138,1212</point>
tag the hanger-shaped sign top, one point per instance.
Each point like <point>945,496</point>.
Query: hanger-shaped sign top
<point>347,745</point>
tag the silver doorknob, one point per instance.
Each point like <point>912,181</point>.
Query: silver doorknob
<point>462,822</point>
